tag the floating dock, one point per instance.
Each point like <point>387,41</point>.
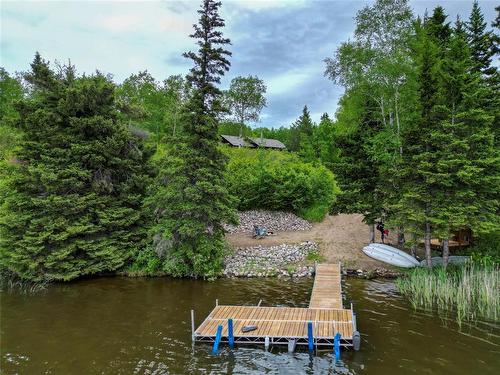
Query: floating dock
<point>288,325</point>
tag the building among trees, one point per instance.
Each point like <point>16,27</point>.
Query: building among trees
<point>252,142</point>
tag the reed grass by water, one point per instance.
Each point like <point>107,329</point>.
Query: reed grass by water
<point>470,291</point>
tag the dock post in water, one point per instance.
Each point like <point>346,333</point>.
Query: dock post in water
<point>336,346</point>
<point>291,345</point>
<point>218,336</point>
<point>310,338</point>
<point>230,334</point>
<point>266,342</point>
<point>192,325</point>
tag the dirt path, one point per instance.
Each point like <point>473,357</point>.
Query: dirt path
<point>340,238</point>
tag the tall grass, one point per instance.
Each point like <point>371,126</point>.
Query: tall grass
<point>10,282</point>
<point>470,291</point>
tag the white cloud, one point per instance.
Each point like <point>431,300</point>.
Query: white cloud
<point>289,80</point>
<point>258,5</point>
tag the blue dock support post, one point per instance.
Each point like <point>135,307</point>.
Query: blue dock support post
<point>215,348</point>
<point>230,334</point>
<point>336,346</point>
<point>310,338</point>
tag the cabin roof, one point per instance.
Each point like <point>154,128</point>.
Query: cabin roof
<point>268,143</point>
<point>253,142</point>
<point>236,141</point>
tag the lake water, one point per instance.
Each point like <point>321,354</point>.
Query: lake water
<point>142,326</point>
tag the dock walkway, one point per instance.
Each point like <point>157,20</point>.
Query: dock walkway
<point>280,325</point>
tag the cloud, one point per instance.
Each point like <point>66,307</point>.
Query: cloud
<point>284,42</point>
<point>258,5</point>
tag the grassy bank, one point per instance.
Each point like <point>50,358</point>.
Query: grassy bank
<point>470,292</point>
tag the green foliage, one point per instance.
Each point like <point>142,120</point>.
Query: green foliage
<point>481,42</point>
<point>245,99</point>
<point>189,198</point>
<point>357,172</point>
<point>486,249</point>
<point>11,92</point>
<point>145,263</point>
<point>151,105</point>
<point>315,257</point>
<point>72,202</point>
<point>301,132</point>
<point>278,180</point>
<point>316,212</point>
<point>236,129</point>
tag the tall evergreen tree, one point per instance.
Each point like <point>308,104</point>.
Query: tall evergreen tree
<point>323,141</point>
<point>483,46</point>
<point>355,169</point>
<point>192,201</point>
<point>416,193</point>
<point>302,130</point>
<point>74,199</point>
<point>481,42</point>
<point>465,173</point>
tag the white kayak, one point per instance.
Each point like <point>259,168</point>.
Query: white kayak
<point>390,255</point>
<point>452,259</point>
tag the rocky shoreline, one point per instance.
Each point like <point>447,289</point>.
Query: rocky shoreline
<point>379,273</point>
<point>273,221</point>
<point>287,260</point>
<point>281,260</point>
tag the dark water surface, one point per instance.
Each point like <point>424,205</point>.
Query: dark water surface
<point>142,326</point>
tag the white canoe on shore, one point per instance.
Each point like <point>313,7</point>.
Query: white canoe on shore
<point>390,255</point>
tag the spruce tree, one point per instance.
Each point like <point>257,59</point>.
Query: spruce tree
<point>481,42</point>
<point>191,200</point>
<point>73,204</point>
<point>355,170</point>
<point>484,48</point>
<point>415,173</point>
<point>466,174</point>
<point>323,141</point>
<point>302,131</point>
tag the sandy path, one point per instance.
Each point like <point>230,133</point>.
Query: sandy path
<point>340,238</point>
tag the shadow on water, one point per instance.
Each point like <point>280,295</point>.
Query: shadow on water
<point>142,326</point>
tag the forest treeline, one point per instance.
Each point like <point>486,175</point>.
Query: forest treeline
<point>420,122</point>
<point>102,177</point>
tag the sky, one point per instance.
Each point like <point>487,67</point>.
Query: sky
<point>283,42</point>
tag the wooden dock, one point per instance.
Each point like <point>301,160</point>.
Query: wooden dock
<point>282,325</point>
<point>327,289</point>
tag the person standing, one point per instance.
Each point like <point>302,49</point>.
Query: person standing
<point>380,227</point>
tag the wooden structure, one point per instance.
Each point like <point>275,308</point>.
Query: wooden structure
<point>235,141</point>
<point>461,238</point>
<point>285,325</point>
<point>268,143</point>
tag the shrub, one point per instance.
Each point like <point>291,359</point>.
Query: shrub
<point>279,180</point>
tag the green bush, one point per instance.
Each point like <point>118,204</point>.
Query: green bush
<point>486,249</point>
<point>278,180</point>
